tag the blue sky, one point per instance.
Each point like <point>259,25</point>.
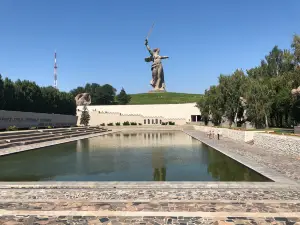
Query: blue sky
<point>103,41</point>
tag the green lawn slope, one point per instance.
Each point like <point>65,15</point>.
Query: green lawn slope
<point>163,98</point>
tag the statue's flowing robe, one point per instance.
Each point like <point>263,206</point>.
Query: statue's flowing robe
<point>158,78</point>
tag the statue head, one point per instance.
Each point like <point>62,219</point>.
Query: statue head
<point>156,51</point>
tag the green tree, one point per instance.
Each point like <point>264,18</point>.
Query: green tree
<point>216,104</point>
<point>231,89</point>
<point>77,91</point>
<point>9,95</point>
<point>203,106</point>
<point>1,93</point>
<point>274,60</point>
<point>85,116</point>
<point>28,96</point>
<point>296,47</point>
<point>258,98</point>
<point>123,98</point>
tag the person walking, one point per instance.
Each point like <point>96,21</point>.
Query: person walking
<point>219,133</point>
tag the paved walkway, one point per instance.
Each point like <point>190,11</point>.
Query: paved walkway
<point>287,166</point>
<point>163,203</point>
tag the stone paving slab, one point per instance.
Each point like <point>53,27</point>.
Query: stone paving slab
<point>142,194</point>
<point>273,165</point>
<point>155,220</point>
<point>146,220</point>
<point>153,206</point>
<point>147,185</point>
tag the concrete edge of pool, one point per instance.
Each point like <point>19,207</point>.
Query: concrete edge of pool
<point>145,185</point>
<point>279,180</point>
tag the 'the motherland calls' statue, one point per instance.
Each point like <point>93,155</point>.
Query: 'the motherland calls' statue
<point>83,99</point>
<point>158,78</point>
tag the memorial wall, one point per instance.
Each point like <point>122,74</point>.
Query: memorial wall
<point>30,119</point>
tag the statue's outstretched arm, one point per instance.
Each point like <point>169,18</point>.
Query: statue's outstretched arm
<point>148,47</point>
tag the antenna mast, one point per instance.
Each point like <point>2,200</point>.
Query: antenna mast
<point>55,71</point>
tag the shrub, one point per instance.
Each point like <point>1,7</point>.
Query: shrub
<point>163,123</point>
<point>33,128</point>
<point>140,124</point>
<point>118,124</point>
<point>171,123</point>
<point>110,124</point>
<point>133,123</point>
<point>126,123</point>
<point>12,128</point>
<point>49,127</point>
<point>102,124</point>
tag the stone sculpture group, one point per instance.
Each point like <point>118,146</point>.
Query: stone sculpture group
<point>83,99</point>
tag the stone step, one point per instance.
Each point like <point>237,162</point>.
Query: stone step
<point>83,133</point>
<point>13,139</point>
<point>56,218</point>
<point>27,137</point>
<point>5,145</point>
<point>182,206</point>
<point>9,133</point>
<point>66,133</point>
<point>69,130</point>
<point>38,140</point>
<point>61,191</point>
<point>78,133</point>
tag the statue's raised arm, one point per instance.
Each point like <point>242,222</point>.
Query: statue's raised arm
<point>148,47</point>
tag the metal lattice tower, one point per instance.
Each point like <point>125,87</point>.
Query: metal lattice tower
<point>55,71</point>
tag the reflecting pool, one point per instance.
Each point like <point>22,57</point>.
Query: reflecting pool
<point>132,156</point>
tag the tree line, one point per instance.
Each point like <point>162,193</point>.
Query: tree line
<point>27,96</point>
<point>261,95</point>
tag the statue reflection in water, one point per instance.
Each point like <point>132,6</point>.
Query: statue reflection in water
<point>158,164</point>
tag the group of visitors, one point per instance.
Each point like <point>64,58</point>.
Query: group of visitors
<point>211,134</point>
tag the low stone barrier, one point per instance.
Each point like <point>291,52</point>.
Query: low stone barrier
<point>237,135</point>
<point>284,144</point>
<point>229,133</point>
<point>280,143</point>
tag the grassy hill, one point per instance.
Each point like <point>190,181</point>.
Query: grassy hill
<point>163,98</point>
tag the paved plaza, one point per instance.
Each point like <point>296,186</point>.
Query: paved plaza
<point>166,202</point>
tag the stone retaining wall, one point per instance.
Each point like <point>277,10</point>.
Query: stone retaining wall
<point>31,119</point>
<point>98,118</point>
<point>283,144</point>
<point>279,143</point>
<point>229,133</point>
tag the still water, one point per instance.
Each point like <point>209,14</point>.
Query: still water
<point>143,156</point>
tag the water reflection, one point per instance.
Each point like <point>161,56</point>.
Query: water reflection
<point>158,164</point>
<point>224,168</point>
<point>143,156</point>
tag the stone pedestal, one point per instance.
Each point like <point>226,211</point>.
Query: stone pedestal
<point>297,129</point>
<point>157,91</point>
